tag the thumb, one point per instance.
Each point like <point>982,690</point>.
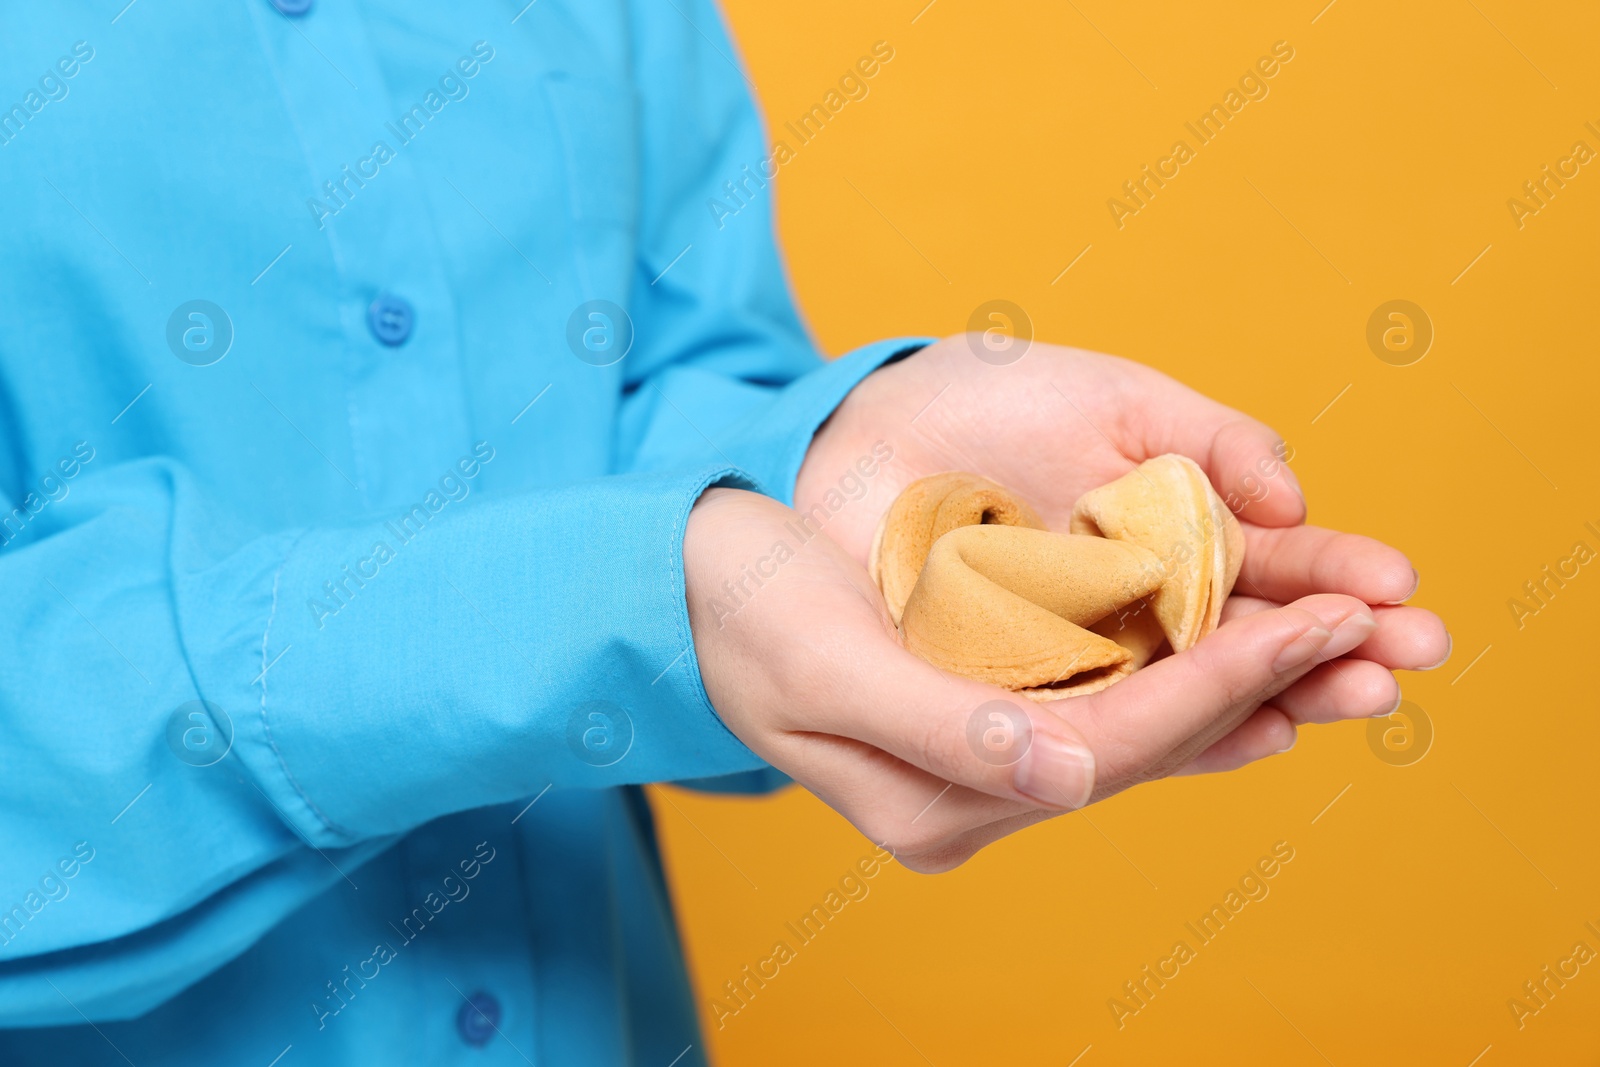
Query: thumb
<point>962,731</point>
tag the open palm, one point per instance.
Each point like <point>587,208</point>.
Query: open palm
<point>1059,422</point>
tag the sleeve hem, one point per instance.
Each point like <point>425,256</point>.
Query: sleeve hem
<point>464,675</point>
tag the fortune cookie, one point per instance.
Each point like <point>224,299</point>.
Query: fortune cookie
<point>978,586</point>
<point>1167,505</point>
<point>925,511</point>
<point>1011,606</point>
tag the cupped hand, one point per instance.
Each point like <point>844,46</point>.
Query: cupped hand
<point>1060,421</point>
<point>802,662</point>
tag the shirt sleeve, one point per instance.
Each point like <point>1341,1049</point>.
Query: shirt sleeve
<point>249,745</point>
<point>724,371</point>
<point>246,746</point>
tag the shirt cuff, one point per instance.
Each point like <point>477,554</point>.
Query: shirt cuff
<point>771,442</point>
<point>478,656</point>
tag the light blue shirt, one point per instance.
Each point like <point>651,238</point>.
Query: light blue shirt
<point>358,369</point>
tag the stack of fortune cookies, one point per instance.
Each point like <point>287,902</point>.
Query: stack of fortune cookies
<point>979,587</point>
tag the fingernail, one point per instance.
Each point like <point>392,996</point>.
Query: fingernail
<point>1292,739</point>
<point>1416,583</point>
<point>1302,650</point>
<point>1449,647</point>
<point>1350,633</point>
<point>1294,483</point>
<point>1055,773</point>
<point>1399,698</point>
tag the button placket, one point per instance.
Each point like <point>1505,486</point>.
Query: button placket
<point>365,198</point>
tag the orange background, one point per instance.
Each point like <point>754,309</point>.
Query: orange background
<point>1378,167</point>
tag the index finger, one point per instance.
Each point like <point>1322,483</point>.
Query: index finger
<point>1163,715</point>
<point>1285,564</point>
<point>1246,460</point>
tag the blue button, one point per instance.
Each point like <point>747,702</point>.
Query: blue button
<point>389,318</point>
<point>479,1018</point>
<point>292,7</point>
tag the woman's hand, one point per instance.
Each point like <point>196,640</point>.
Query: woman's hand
<point>801,661</point>
<point>1060,421</point>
